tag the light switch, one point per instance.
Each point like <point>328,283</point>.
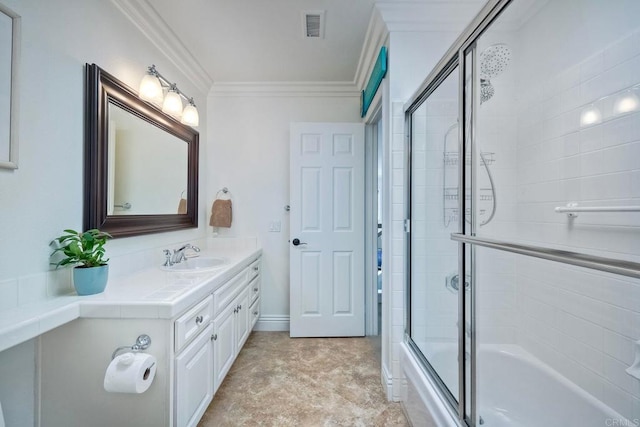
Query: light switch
<point>275,226</point>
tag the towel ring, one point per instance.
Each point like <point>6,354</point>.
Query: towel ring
<point>224,190</point>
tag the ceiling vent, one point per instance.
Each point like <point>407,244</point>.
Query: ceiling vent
<point>313,23</point>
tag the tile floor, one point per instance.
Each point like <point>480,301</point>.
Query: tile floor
<point>279,381</point>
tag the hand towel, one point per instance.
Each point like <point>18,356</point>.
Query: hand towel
<point>221,213</point>
<point>182,206</point>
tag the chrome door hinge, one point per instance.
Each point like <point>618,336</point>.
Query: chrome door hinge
<point>407,226</point>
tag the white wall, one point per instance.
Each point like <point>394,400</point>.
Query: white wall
<point>249,154</point>
<point>44,195</point>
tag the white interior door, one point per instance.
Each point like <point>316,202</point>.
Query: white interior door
<point>327,230</point>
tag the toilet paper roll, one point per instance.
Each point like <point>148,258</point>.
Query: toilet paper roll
<point>130,373</point>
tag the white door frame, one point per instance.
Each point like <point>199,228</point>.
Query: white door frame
<point>371,220</point>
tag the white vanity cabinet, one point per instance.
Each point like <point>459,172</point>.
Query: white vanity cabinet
<point>203,365</point>
<point>195,337</point>
<point>232,320</point>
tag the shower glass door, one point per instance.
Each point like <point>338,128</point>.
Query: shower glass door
<point>434,280</point>
<point>556,119</point>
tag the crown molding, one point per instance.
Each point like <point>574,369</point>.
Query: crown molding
<point>151,24</point>
<point>377,36</point>
<point>285,89</point>
<point>427,15</point>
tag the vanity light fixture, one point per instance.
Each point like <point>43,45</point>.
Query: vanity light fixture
<point>172,103</point>
<point>152,89</point>
<point>190,116</point>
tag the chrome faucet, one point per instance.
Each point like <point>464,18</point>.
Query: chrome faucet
<point>178,254</point>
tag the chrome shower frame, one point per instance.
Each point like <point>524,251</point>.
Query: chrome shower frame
<point>463,411</point>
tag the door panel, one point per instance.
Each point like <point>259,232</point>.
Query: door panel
<point>327,218</point>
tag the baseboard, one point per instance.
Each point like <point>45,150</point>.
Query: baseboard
<point>272,323</point>
<point>387,382</point>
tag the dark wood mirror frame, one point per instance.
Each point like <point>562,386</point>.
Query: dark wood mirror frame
<point>101,88</point>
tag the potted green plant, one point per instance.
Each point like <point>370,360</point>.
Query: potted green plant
<point>85,250</point>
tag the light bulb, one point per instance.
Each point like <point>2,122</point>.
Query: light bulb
<point>172,103</point>
<point>150,89</point>
<point>190,116</point>
<point>626,102</point>
<point>590,115</point>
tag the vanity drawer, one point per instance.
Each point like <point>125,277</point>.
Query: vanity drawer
<point>254,312</point>
<point>254,289</point>
<point>190,324</point>
<point>254,269</point>
<point>225,295</point>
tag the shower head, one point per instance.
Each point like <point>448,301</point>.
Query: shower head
<point>494,60</point>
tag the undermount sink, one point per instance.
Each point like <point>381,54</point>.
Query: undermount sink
<point>199,264</point>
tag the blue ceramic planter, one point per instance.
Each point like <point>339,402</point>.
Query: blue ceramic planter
<point>89,281</point>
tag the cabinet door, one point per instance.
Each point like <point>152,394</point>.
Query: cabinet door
<point>242,318</point>
<point>194,380</point>
<point>254,312</point>
<point>224,344</point>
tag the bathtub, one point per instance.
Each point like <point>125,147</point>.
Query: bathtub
<point>514,389</point>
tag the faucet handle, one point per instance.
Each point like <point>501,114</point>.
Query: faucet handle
<point>167,262</point>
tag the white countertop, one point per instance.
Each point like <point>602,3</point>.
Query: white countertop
<point>152,294</point>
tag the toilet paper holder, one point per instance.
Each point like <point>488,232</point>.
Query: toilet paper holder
<point>142,343</point>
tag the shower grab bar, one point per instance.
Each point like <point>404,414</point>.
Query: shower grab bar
<point>572,209</point>
<point>609,265</point>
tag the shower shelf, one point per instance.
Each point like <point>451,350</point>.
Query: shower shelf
<point>451,214</point>
<point>451,158</point>
<point>451,193</point>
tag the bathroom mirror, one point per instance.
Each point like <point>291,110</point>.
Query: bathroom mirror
<point>141,165</point>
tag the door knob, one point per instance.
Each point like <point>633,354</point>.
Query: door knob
<point>297,242</point>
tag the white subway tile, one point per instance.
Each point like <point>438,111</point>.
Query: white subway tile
<point>585,355</point>
<point>59,282</point>
<point>139,311</point>
<point>32,288</point>
<point>397,160</point>
<point>621,293</point>
<point>398,142</point>
<point>591,67</point>
<point>614,371</point>
<point>397,125</point>
<point>617,399</point>
<point>8,294</point>
<point>582,330</point>
<point>618,346</point>
<point>21,332</point>
<point>591,138</point>
<point>620,51</point>
<point>397,109</point>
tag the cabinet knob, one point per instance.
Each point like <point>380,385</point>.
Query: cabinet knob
<point>240,307</point>
<point>214,337</point>
<point>255,289</point>
<point>256,268</point>
<point>235,310</point>
<point>255,313</point>
<point>199,320</point>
